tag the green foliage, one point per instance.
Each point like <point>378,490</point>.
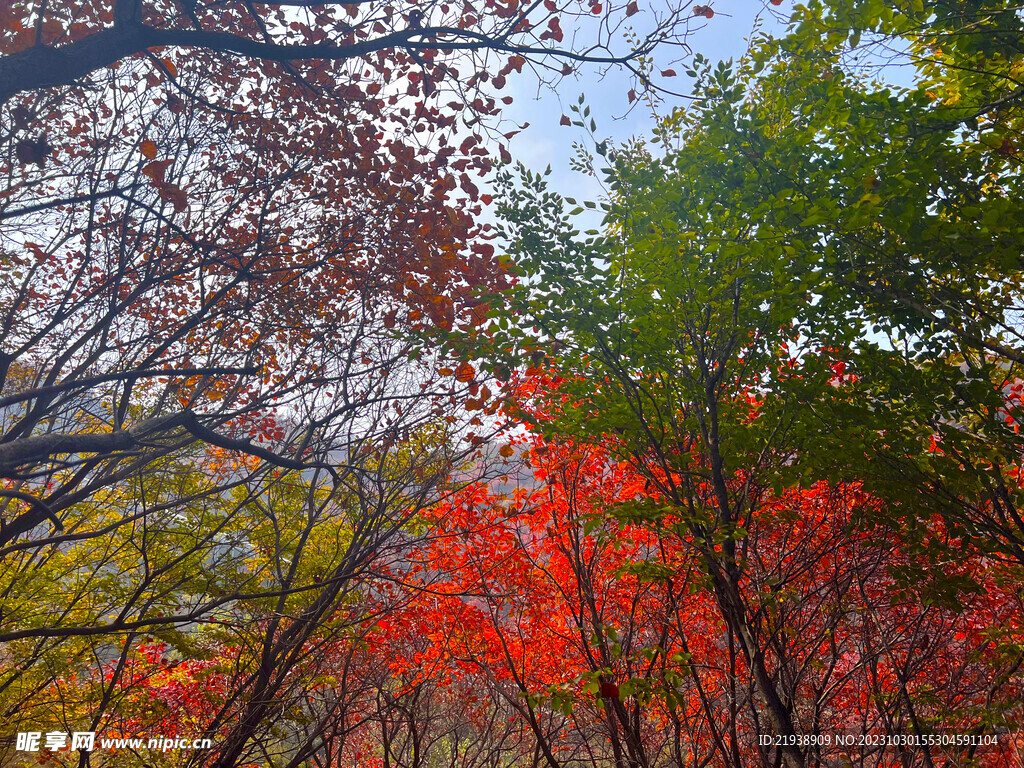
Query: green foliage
<point>810,275</point>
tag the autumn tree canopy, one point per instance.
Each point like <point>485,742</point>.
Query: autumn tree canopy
<point>230,238</point>
<point>196,173</point>
<point>52,45</point>
<point>812,276</point>
<point>301,455</point>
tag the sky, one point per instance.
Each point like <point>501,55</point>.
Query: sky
<point>545,142</point>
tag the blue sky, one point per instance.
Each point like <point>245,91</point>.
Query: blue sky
<point>546,142</point>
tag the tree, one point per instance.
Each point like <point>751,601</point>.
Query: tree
<point>774,300</point>
<point>597,632</point>
<point>187,212</point>
<point>254,586</point>
<point>53,46</point>
<point>231,237</point>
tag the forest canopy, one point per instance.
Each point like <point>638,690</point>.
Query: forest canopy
<point>333,436</point>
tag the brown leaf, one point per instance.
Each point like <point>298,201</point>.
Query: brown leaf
<point>175,195</point>
<point>21,116</point>
<point>28,151</point>
<point>156,170</point>
<point>176,105</point>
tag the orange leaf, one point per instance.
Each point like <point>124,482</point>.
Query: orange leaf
<point>148,149</point>
<point>465,372</point>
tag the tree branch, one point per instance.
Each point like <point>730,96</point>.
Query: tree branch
<point>38,503</point>
<point>92,381</point>
<point>41,447</point>
<point>45,67</point>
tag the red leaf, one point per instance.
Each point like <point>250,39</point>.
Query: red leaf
<point>555,30</point>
